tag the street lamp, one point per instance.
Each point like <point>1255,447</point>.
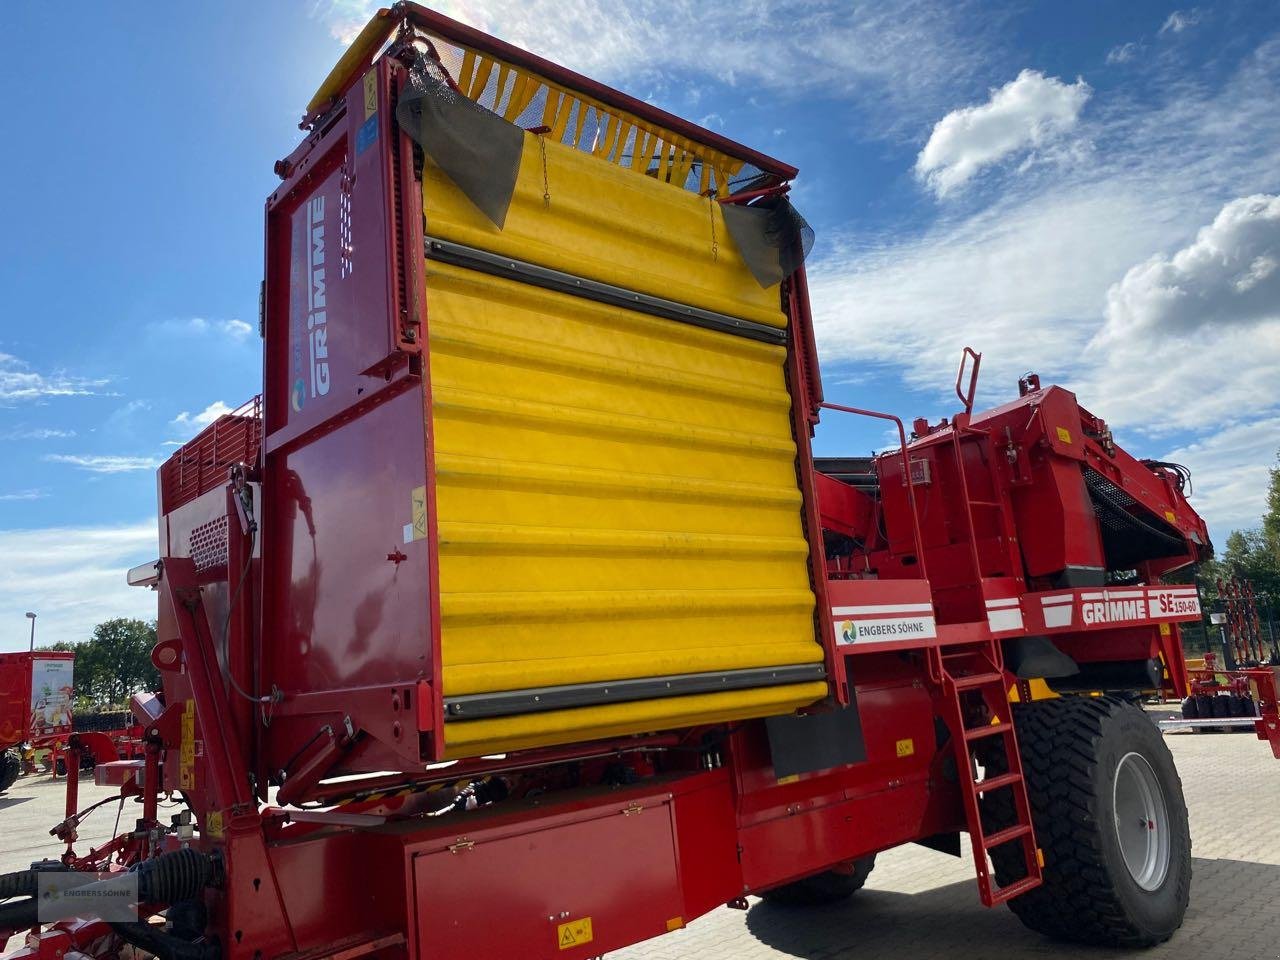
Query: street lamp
<point>32,617</point>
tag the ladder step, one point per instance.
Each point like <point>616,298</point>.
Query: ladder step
<point>1006,835</point>
<point>976,680</point>
<point>1017,888</point>
<point>990,730</point>
<point>995,783</point>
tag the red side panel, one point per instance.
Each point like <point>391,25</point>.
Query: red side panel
<point>347,632</point>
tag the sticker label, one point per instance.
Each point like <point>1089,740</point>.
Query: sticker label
<point>905,748</point>
<point>1064,434</point>
<point>367,135</point>
<point>574,933</point>
<point>419,505</point>
<point>370,94</point>
<point>187,748</point>
<point>884,623</point>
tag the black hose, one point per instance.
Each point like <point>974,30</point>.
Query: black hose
<point>19,915</point>
<point>176,875</point>
<point>19,884</point>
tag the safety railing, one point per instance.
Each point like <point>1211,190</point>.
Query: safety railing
<point>906,473</point>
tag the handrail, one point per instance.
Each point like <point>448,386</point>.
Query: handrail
<point>906,473</point>
<point>967,399</point>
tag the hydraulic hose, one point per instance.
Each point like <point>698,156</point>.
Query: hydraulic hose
<point>165,945</point>
<point>19,915</point>
<point>21,883</point>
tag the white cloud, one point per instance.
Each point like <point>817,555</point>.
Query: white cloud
<point>908,53</point>
<point>235,330</point>
<point>21,495</point>
<point>1028,112</point>
<point>1180,20</point>
<point>72,578</point>
<point>1229,470</point>
<point>104,464</point>
<point>1227,276</point>
<point>18,382</point>
<point>196,421</point>
<point>38,433</point>
<point>1123,53</point>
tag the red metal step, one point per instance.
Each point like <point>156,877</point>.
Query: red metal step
<point>976,680</point>
<point>1001,837</point>
<point>990,730</point>
<point>995,783</point>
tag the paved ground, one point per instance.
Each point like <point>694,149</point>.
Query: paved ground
<point>920,905</point>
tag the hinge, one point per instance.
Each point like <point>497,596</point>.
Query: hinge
<point>632,809</point>
<point>262,308</point>
<point>462,845</point>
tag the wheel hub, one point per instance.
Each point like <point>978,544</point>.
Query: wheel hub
<point>1142,822</point>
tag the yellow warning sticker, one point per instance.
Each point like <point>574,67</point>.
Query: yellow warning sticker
<point>187,748</point>
<point>370,94</point>
<point>1164,630</point>
<point>574,933</point>
<point>1170,516</point>
<point>906,748</point>
<point>419,501</point>
<point>790,778</point>
<point>215,827</point>
<point>1064,434</point>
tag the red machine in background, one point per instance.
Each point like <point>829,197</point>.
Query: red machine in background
<point>347,563</point>
<point>35,706</point>
<point>1228,693</point>
<point>36,693</point>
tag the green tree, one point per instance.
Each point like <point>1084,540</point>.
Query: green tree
<point>116,662</point>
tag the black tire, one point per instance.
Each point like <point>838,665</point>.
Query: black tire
<point>10,768</point>
<point>1221,707</point>
<point>1190,709</point>
<point>830,886</point>
<point>1071,749</point>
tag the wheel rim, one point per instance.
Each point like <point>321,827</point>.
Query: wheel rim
<point>1142,822</point>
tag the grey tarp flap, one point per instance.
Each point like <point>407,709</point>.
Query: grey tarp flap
<point>477,149</point>
<point>771,236</point>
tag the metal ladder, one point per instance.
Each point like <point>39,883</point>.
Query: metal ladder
<point>974,685</point>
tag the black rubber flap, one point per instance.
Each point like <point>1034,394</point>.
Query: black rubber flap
<point>1034,656</point>
<point>815,741</point>
<point>771,236</point>
<point>476,148</point>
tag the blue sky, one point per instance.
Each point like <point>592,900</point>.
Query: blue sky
<point>1088,190</point>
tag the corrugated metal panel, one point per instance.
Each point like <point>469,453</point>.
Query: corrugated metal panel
<point>616,492</point>
<point>606,223</point>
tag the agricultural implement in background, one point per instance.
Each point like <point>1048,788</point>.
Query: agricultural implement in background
<point>36,691</point>
<point>1227,694</point>
<point>35,707</point>
<point>520,595</point>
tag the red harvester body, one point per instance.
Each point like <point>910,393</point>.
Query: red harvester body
<point>520,596</point>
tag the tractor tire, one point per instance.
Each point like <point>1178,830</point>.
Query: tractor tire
<point>830,886</point>
<point>1110,819</point>
<point>1191,709</point>
<point>10,768</point>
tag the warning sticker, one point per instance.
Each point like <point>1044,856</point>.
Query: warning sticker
<point>905,748</point>
<point>370,94</point>
<point>418,499</point>
<point>574,933</point>
<point>1064,434</point>
<point>187,748</point>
